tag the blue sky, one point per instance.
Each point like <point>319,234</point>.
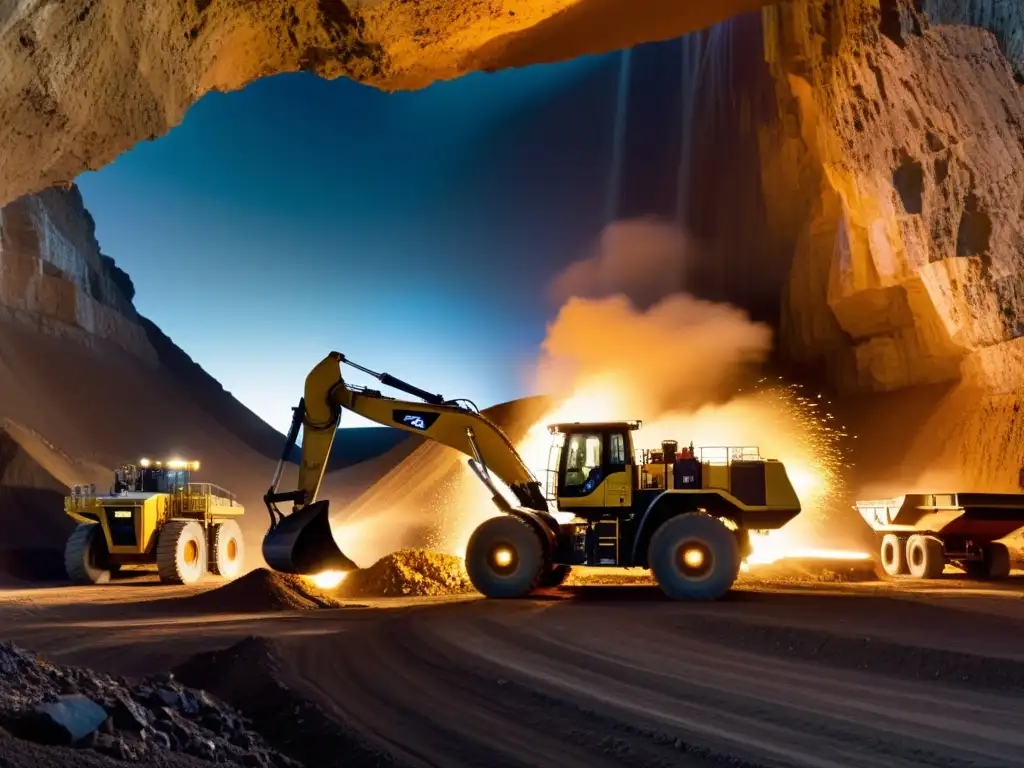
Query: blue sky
<point>415,232</point>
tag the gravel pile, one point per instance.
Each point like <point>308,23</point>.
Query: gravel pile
<point>147,722</point>
<point>258,591</point>
<point>409,573</point>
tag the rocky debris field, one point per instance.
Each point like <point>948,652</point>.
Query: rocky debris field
<point>249,673</point>
<point>408,573</point>
<point>156,721</point>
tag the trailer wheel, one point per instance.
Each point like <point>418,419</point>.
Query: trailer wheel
<point>694,557</point>
<point>504,558</point>
<point>926,557</point>
<point>997,561</point>
<point>228,549</point>
<point>181,552</point>
<point>894,555</point>
<point>86,560</point>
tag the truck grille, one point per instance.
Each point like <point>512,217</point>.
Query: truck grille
<point>121,521</point>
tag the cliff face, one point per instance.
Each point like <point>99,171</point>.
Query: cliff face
<point>54,278</point>
<point>910,252</point>
<point>84,80</point>
<point>895,161</point>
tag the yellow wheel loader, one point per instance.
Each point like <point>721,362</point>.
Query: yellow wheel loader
<point>154,515</point>
<point>687,515</point>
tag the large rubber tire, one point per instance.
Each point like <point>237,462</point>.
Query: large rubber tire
<point>227,549</point>
<point>556,576</point>
<point>894,555</point>
<point>926,557</point>
<point>86,559</point>
<point>181,552</point>
<point>720,563</point>
<point>997,561</point>
<point>522,575</point>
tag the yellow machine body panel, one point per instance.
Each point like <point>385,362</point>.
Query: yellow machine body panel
<point>614,491</point>
<point>130,525</point>
<point>716,476</point>
<point>779,491</point>
<point>618,489</point>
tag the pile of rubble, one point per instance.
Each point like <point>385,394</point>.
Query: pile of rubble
<point>250,674</point>
<point>256,592</point>
<point>410,573</point>
<point>146,722</point>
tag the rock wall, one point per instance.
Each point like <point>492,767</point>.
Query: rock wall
<point>54,278</point>
<point>896,160</point>
<point>84,80</point>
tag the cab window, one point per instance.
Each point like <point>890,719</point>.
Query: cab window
<point>583,454</point>
<point>617,450</point>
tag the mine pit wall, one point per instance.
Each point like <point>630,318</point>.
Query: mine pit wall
<point>894,165</point>
<point>54,279</point>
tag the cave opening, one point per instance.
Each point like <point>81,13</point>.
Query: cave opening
<point>541,139</point>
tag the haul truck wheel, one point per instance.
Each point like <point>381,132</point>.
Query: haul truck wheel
<point>926,557</point>
<point>504,558</point>
<point>228,549</point>
<point>694,557</point>
<point>556,576</point>
<point>894,555</point>
<point>997,561</point>
<point>86,559</point>
<point>181,552</point>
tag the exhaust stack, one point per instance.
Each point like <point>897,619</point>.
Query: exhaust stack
<point>302,543</point>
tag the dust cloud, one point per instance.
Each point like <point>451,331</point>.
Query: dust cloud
<point>645,259</point>
<point>681,352</point>
<point>626,326</point>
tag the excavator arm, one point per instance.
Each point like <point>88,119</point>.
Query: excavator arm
<point>303,542</point>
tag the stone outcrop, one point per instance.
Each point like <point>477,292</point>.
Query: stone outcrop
<point>896,163</point>
<point>909,257</point>
<point>54,278</point>
<point>85,80</point>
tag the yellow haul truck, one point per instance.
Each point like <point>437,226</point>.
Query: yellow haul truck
<point>154,514</point>
<point>686,515</point>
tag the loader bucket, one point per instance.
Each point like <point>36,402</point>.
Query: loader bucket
<point>303,543</point>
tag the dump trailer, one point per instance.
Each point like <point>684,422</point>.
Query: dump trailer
<point>154,515</point>
<point>920,533</point>
<point>687,515</point>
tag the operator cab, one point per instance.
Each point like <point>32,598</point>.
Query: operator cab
<point>154,476</point>
<point>596,470</point>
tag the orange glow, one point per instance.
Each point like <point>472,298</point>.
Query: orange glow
<point>328,579</point>
<point>693,558</point>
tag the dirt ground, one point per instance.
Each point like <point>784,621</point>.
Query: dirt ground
<point>779,673</point>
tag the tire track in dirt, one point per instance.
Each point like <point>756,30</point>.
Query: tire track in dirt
<point>802,714</point>
<point>590,686</point>
<point>419,700</point>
